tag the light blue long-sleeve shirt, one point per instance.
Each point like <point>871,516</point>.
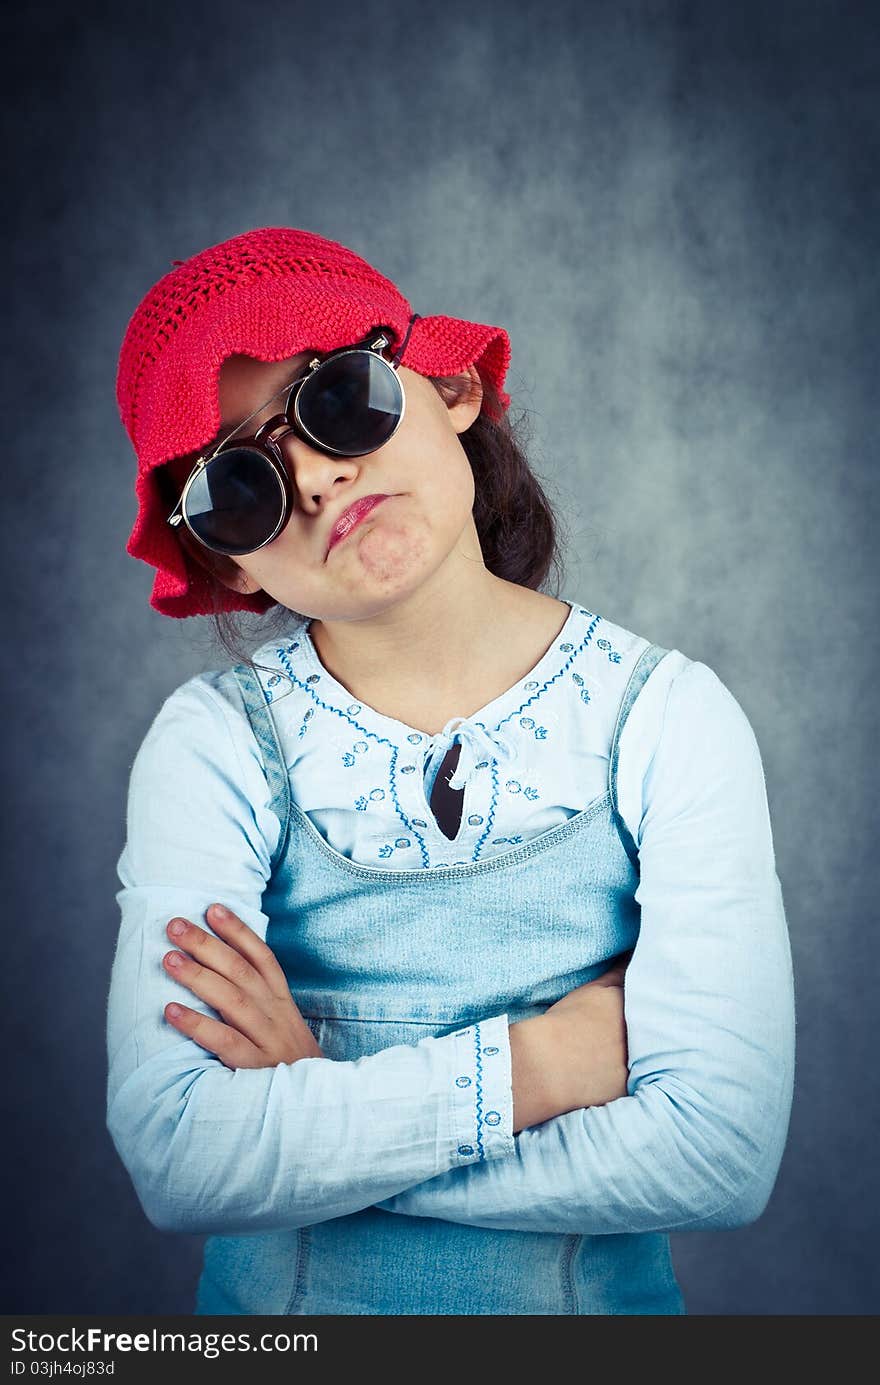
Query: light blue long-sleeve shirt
<point>708,997</point>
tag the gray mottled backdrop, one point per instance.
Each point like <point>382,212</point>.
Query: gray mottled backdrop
<point>672,207</point>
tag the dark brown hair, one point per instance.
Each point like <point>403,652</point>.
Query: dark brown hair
<point>515,523</point>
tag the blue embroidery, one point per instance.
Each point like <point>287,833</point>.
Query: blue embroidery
<point>558,674</point>
<point>462,1081</point>
<point>381,740</point>
<point>513,786</point>
<point>613,655</point>
<point>359,748</point>
<point>493,803</point>
<point>479,1096</point>
<point>387,850</point>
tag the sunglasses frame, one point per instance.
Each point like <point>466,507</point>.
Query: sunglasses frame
<point>265,440</point>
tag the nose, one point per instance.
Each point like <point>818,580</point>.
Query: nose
<point>314,475</point>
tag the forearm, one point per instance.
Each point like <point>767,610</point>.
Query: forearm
<point>211,1150</point>
<point>695,1144</point>
<point>533,1065</point>
<point>709,1007</point>
<point>216,1150</point>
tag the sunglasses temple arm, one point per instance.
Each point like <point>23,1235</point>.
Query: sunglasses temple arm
<point>395,360</point>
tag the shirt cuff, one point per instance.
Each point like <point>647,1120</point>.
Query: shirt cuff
<point>481,1092</point>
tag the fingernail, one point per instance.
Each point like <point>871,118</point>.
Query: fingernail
<point>220,912</point>
<point>176,927</point>
<point>175,959</point>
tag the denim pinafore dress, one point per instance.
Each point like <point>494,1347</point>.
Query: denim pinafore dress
<point>445,946</point>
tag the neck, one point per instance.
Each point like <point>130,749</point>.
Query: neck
<point>443,639</point>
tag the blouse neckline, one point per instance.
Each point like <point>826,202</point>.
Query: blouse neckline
<point>491,713</point>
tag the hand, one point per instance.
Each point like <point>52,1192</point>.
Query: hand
<point>574,1054</point>
<point>241,979</point>
<point>588,1031</point>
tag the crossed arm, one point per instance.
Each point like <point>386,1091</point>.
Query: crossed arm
<point>694,1142</point>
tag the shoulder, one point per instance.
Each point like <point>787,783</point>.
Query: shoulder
<point>687,744</point>
<point>215,697</point>
<point>613,651</point>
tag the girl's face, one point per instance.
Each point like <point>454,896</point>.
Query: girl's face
<point>424,527</point>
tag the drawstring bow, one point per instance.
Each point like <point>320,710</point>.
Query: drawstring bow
<point>476,744</point>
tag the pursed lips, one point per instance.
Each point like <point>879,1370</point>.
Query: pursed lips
<point>351,517</point>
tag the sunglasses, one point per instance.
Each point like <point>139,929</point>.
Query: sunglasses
<point>350,402</point>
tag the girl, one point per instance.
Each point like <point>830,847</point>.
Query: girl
<point>505,994</point>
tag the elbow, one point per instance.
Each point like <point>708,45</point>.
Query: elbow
<point>741,1162</point>
<point>741,1207</point>
<point>177,1185</point>
<point>158,1185</point>
<point>729,1144</point>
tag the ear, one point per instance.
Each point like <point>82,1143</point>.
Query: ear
<point>466,408</point>
<point>238,582</point>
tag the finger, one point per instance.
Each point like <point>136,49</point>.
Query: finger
<point>258,952</point>
<point>217,955</point>
<point>231,1047</point>
<point>239,1009</point>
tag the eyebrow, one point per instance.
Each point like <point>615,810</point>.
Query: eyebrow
<point>231,428</point>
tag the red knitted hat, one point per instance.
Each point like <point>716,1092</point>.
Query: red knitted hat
<point>269,294</point>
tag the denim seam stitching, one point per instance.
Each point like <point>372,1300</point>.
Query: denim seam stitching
<point>276,853</point>
<point>298,1291</point>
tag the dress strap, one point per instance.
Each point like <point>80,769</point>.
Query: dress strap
<point>256,701</point>
<point>645,665</point>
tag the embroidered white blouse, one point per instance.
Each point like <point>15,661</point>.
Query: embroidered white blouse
<point>531,758</point>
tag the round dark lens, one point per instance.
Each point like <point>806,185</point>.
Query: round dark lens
<point>235,503</point>
<point>352,403</point>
